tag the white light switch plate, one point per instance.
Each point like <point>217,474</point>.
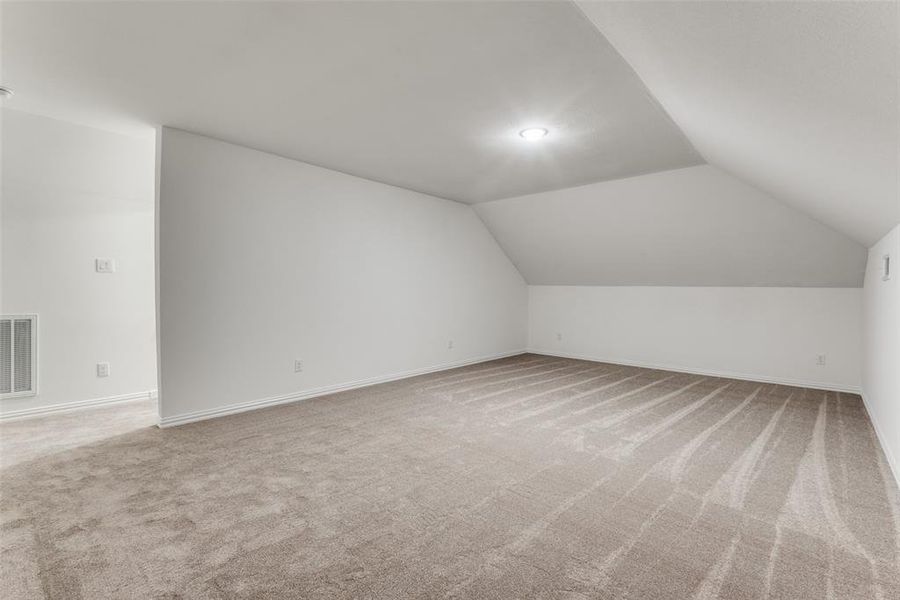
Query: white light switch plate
<point>105,265</point>
<point>103,369</point>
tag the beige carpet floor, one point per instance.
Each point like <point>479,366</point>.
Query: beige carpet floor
<point>528,477</point>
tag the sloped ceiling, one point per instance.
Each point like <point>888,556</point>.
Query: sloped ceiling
<point>799,99</point>
<point>789,102</point>
<point>697,226</point>
<point>428,96</point>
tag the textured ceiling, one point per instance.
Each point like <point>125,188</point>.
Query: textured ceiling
<point>798,98</point>
<point>697,226</point>
<point>425,95</point>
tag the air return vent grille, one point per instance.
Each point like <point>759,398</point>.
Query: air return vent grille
<point>18,355</point>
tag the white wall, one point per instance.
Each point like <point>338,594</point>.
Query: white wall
<point>264,260</point>
<point>71,194</point>
<point>881,346</point>
<point>753,333</point>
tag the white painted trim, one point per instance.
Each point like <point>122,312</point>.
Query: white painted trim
<point>27,413</point>
<point>232,409</point>
<point>891,459</point>
<point>817,385</point>
<point>157,174</point>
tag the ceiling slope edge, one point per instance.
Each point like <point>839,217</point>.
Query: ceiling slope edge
<point>696,226</point>
<point>800,100</point>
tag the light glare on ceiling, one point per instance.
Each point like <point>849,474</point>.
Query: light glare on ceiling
<point>533,133</point>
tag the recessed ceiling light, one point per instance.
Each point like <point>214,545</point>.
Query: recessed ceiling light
<point>533,133</point>
<point>5,92</point>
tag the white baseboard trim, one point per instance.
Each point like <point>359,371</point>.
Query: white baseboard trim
<point>882,439</point>
<point>27,413</point>
<point>232,409</point>
<point>817,385</point>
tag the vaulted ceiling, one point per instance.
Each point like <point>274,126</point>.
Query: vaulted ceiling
<point>800,99</point>
<point>429,96</point>
<point>793,105</point>
<point>696,226</point>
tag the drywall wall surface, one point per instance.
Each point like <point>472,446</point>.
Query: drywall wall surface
<point>264,261</point>
<point>881,345</point>
<point>769,334</point>
<point>72,194</point>
<point>697,226</point>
